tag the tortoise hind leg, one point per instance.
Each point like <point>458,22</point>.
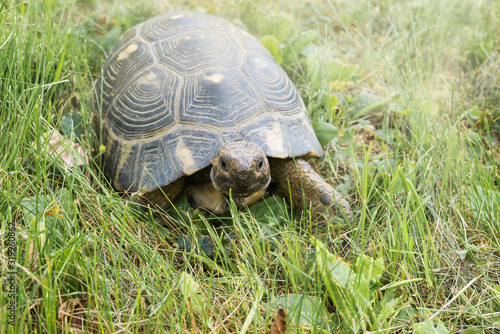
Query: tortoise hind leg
<point>299,182</point>
<point>163,197</point>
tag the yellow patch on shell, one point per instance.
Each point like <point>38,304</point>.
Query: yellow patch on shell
<point>274,139</point>
<point>125,152</point>
<point>148,78</point>
<point>185,157</point>
<point>175,17</point>
<point>260,63</point>
<point>214,78</point>
<point>127,52</point>
<point>247,34</point>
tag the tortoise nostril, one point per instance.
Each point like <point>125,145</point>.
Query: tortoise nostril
<point>243,175</point>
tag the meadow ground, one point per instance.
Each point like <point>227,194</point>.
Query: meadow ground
<point>405,96</point>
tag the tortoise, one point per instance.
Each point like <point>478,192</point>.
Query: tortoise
<point>190,101</point>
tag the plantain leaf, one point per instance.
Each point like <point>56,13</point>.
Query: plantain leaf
<point>328,71</point>
<point>193,245</point>
<point>300,42</point>
<point>430,328</point>
<point>365,103</point>
<point>325,132</point>
<point>71,125</point>
<point>371,269</point>
<point>272,45</point>
<point>305,311</point>
<point>269,210</point>
<point>335,70</point>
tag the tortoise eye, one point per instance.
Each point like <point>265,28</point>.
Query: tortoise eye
<point>223,164</point>
<point>261,164</point>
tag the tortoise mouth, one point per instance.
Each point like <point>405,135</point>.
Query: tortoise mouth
<point>240,188</point>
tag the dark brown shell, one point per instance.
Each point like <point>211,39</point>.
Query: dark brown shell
<point>176,87</point>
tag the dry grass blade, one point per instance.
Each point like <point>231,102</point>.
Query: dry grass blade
<point>71,312</point>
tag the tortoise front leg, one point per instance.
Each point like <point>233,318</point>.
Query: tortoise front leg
<point>300,182</point>
<point>207,197</point>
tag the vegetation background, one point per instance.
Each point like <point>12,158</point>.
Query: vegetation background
<point>405,97</point>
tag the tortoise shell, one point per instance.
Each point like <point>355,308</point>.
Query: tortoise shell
<point>178,86</point>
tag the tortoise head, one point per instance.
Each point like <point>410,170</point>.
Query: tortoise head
<point>242,167</point>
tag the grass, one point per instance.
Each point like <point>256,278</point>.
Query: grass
<point>411,86</point>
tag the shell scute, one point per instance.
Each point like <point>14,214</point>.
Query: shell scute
<point>218,98</point>
<point>145,109</point>
<point>276,87</point>
<point>197,52</point>
<point>122,65</point>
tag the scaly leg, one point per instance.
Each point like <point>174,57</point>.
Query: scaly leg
<point>207,197</point>
<point>163,197</point>
<point>300,182</point>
